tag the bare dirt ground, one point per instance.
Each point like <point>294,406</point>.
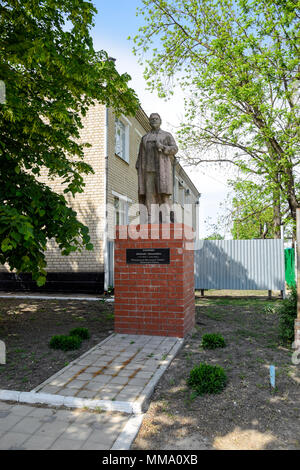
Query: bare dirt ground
<point>26,327</point>
<point>247,415</point>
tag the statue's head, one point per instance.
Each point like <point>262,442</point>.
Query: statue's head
<point>155,121</point>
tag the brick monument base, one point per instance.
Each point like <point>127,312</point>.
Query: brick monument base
<point>154,280</point>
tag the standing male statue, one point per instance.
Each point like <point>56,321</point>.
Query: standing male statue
<point>154,166</point>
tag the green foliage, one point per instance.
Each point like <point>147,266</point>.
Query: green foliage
<point>287,312</point>
<point>205,378</point>
<point>65,343</point>
<point>251,211</point>
<point>213,341</point>
<point>215,236</point>
<point>82,332</point>
<point>237,61</point>
<point>52,76</point>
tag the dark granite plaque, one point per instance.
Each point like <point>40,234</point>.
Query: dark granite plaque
<point>148,256</point>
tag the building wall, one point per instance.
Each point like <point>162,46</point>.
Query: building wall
<point>186,195</point>
<point>122,176</point>
<point>89,205</point>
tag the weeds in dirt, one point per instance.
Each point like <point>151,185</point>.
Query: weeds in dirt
<point>65,343</point>
<point>206,378</point>
<point>213,341</point>
<point>82,332</point>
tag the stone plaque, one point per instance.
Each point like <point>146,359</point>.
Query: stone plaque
<point>148,256</point>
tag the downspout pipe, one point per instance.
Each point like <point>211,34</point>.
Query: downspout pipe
<point>105,232</point>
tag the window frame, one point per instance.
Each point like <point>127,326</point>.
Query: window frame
<point>121,123</point>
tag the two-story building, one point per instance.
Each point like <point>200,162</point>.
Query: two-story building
<point>106,201</point>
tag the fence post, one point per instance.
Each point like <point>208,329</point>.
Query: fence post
<point>297,256</point>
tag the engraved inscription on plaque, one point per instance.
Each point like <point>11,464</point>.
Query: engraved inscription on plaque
<point>148,256</point>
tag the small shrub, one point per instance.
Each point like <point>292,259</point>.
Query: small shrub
<point>65,343</point>
<point>287,312</point>
<point>205,378</point>
<point>213,341</point>
<point>83,333</point>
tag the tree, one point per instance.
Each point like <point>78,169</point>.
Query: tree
<point>52,75</point>
<point>251,210</point>
<point>238,61</point>
<point>214,236</point>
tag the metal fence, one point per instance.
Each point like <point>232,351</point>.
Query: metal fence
<point>240,264</point>
<point>232,264</point>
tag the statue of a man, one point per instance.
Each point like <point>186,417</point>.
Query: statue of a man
<point>154,166</point>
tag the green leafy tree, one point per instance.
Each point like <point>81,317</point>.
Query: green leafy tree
<point>251,211</point>
<point>52,75</point>
<point>214,236</point>
<point>238,61</point>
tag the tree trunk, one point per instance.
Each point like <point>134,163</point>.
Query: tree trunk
<point>276,210</point>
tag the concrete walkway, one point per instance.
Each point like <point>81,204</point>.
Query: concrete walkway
<point>96,402</point>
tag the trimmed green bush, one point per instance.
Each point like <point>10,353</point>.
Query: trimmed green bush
<point>213,341</point>
<point>205,378</point>
<point>83,333</point>
<point>287,312</point>
<point>64,342</point>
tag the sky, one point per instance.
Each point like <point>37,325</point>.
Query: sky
<point>115,22</point>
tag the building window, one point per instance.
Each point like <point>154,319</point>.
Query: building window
<point>121,211</point>
<point>122,140</point>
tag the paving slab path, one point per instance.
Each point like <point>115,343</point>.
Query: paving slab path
<point>94,403</point>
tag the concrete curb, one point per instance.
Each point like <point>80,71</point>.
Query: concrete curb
<point>129,433</point>
<point>69,402</point>
<point>45,297</point>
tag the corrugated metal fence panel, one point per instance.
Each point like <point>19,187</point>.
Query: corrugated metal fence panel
<point>239,264</point>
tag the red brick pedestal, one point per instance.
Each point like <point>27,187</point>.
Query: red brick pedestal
<point>155,299</point>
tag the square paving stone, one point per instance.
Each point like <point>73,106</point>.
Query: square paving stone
<point>53,429</point>
<point>90,445</point>
<point>77,431</point>
<point>69,392</point>
<point>85,377</point>
<point>101,379</point>
<point>12,440</point>
<point>21,410</point>
<point>86,394</point>
<point>66,415</point>
<point>94,386</point>
<point>103,437</point>
<point>74,384</point>
<point>39,443</point>
<point>50,389</point>
<point>5,406</point>
<point>27,425</point>
<point>66,444</point>
<point>6,423</point>
<point>119,380</point>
